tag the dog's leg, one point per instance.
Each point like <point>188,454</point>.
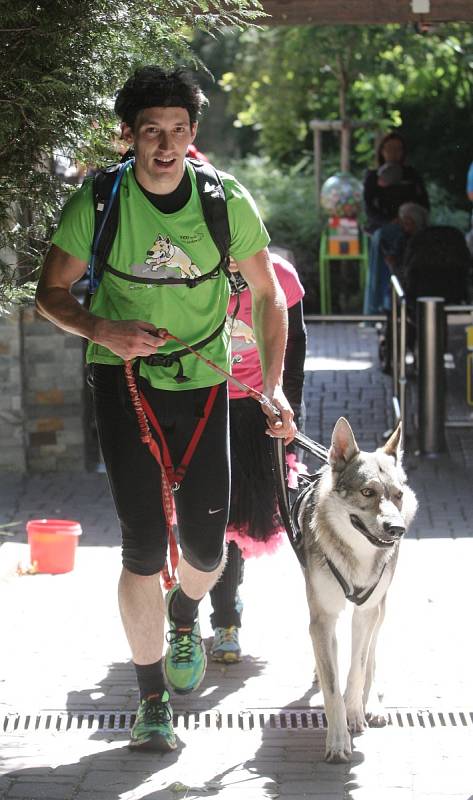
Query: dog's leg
<point>377,716</point>
<point>364,624</point>
<point>324,642</point>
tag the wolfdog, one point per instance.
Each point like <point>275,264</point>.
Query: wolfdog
<point>352,520</point>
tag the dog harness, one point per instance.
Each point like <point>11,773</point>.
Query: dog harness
<point>360,594</point>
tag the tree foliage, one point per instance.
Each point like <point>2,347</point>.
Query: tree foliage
<point>284,77</point>
<point>61,62</point>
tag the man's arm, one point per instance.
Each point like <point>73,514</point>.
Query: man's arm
<point>54,300</point>
<point>270,325</point>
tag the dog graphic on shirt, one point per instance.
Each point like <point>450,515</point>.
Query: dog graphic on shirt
<point>241,333</point>
<point>165,258</point>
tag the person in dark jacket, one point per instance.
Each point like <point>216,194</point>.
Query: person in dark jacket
<point>385,189</point>
<point>432,261</point>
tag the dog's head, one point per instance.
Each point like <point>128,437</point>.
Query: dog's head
<point>369,489</point>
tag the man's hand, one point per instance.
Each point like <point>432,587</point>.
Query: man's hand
<point>283,426</point>
<point>127,339</point>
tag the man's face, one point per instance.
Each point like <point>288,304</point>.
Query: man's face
<point>160,138</point>
<point>408,224</point>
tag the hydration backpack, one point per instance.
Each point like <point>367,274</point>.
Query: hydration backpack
<point>106,192</point>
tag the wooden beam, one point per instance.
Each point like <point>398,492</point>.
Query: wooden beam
<point>362,12</point>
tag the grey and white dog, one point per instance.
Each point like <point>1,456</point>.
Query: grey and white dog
<point>352,521</point>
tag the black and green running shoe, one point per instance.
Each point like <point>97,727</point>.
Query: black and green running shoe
<point>185,660</point>
<point>153,726</point>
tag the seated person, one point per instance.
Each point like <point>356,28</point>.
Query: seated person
<point>437,263</point>
<point>413,218</point>
<point>385,190</point>
<point>432,261</point>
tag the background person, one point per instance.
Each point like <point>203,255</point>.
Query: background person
<point>469,194</point>
<point>254,525</point>
<point>430,260</point>
<point>384,191</point>
<point>161,214</point>
<point>469,183</point>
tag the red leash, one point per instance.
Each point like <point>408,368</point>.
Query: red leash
<point>171,477</point>
<point>254,393</point>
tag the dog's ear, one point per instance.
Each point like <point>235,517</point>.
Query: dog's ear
<point>343,446</point>
<point>393,445</point>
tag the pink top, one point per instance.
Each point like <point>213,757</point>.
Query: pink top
<point>248,369</point>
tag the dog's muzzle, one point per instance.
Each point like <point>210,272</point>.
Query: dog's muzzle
<point>393,531</point>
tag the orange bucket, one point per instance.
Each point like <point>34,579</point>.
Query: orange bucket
<point>53,544</point>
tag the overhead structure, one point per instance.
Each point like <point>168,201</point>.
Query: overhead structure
<point>365,12</point>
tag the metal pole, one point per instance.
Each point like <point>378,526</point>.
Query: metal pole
<point>431,394</point>
<point>402,369</point>
<point>394,340</point>
<point>317,166</point>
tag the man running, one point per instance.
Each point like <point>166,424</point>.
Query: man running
<point>163,273</point>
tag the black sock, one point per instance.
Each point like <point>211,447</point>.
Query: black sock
<point>150,679</point>
<point>183,609</point>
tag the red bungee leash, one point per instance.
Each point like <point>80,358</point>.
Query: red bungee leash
<point>301,439</point>
<point>171,477</point>
<point>254,393</point>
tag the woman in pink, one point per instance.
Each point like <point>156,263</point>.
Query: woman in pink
<point>254,524</point>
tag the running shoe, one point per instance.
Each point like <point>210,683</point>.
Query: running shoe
<point>153,726</point>
<point>226,646</point>
<point>185,660</point>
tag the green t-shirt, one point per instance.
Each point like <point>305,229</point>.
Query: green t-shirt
<point>152,244</point>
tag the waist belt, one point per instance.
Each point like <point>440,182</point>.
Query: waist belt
<point>168,359</point>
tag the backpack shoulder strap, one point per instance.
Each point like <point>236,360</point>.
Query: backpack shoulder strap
<point>106,196</point>
<point>214,206</point>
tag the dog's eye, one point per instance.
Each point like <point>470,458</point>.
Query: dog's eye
<point>368,492</point>
<point>399,495</point>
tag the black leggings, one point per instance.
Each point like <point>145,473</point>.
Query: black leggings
<point>202,500</point>
<point>226,604</point>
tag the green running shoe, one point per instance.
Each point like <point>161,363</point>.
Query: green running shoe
<point>185,660</point>
<point>226,645</point>
<point>153,726</point>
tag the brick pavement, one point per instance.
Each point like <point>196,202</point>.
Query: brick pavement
<point>63,648</point>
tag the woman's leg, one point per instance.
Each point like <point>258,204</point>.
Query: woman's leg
<point>224,595</point>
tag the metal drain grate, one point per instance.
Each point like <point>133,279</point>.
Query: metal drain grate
<point>51,720</point>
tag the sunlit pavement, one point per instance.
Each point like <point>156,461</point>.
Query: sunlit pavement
<point>250,730</point>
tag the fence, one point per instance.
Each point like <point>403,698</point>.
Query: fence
<point>432,315</point>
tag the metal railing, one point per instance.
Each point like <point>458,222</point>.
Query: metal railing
<point>431,324</point>
<point>398,337</point>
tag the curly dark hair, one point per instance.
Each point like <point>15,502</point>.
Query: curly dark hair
<point>153,86</point>
<point>387,138</point>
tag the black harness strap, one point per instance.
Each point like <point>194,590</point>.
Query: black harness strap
<point>190,282</point>
<point>106,191</point>
<point>168,359</point>
<point>359,595</point>
<point>214,207</point>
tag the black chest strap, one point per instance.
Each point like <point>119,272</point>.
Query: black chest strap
<point>191,283</point>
